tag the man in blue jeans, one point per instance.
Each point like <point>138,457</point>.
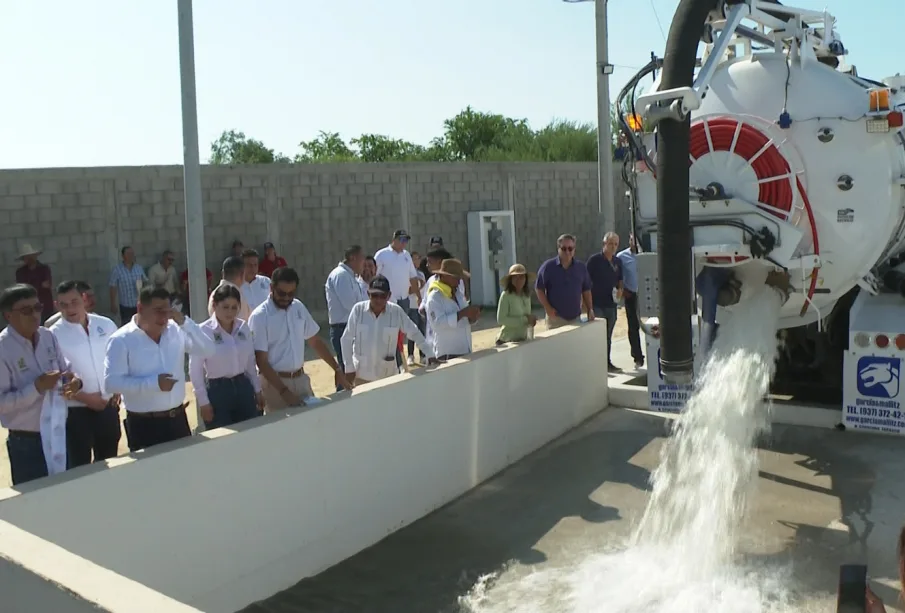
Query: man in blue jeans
<point>344,291</point>
<point>605,270</point>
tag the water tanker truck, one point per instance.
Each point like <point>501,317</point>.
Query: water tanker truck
<point>758,155</point>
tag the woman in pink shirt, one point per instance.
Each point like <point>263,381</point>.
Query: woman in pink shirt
<point>227,387</point>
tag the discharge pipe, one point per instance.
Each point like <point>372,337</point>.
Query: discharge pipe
<point>674,257</point>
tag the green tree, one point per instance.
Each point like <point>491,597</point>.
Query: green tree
<point>471,136</point>
<point>379,148</point>
<point>326,147</point>
<point>235,148</point>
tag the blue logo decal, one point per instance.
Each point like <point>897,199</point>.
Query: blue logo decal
<point>878,377</point>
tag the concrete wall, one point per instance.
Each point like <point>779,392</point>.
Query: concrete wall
<point>228,518</point>
<point>82,216</point>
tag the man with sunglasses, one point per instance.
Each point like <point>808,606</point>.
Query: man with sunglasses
<point>31,366</point>
<point>395,263</point>
<point>370,338</point>
<point>280,328</point>
<point>563,286</point>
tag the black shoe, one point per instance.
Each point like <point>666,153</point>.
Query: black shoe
<point>613,369</point>
<point>639,363</point>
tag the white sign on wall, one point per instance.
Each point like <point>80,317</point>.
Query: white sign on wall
<point>872,394</point>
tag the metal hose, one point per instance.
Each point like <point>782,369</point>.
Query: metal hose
<point>674,239</point>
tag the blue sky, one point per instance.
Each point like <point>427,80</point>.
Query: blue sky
<point>96,82</point>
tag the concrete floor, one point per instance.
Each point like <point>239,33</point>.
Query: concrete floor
<point>824,498</point>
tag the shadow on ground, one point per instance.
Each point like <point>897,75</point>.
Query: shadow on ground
<point>426,567</point>
<point>847,510</point>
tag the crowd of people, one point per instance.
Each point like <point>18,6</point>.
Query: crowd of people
<point>69,371</point>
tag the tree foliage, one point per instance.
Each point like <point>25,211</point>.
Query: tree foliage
<point>235,148</point>
<point>470,136</point>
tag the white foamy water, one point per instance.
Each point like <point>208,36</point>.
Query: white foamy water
<point>682,558</point>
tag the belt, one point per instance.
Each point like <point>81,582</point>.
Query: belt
<point>159,414</point>
<point>24,433</point>
<point>225,379</point>
<point>291,375</point>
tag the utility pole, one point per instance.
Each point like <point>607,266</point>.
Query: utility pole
<point>194,208</point>
<point>606,198</point>
<point>606,206</point>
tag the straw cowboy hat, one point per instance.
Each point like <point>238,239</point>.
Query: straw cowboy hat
<point>27,249</point>
<point>452,268</point>
<point>515,270</point>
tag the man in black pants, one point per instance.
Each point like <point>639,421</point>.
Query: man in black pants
<point>145,363</point>
<point>92,426</point>
<point>630,292</point>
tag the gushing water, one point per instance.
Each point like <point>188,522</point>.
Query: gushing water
<point>682,556</point>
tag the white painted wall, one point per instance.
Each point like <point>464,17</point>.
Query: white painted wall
<point>220,523</point>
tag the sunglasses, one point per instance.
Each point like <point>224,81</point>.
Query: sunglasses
<point>30,310</point>
<point>567,249</point>
<point>281,294</point>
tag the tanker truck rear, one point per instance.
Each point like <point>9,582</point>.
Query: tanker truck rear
<point>765,154</point>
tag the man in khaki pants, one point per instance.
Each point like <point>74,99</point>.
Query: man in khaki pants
<point>281,326</point>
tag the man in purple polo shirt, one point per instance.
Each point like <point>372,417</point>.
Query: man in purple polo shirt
<point>605,270</point>
<point>563,286</point>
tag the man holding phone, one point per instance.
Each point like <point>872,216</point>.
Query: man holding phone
<point>32,367</point>
<point>145,364</point>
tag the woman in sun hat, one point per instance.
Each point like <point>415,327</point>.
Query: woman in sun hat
<point>513,311</point>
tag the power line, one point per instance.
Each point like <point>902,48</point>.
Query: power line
<point>657,17</point>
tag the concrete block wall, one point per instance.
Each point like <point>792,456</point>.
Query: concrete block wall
<point>81,217</point>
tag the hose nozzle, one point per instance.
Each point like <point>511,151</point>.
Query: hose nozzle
<point>781,281</point>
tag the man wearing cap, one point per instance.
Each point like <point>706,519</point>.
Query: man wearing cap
<point>371,337</point>
<point>37,274</point>
<point>395,263</point>
<point>271,261</point>
<point>449,314</point>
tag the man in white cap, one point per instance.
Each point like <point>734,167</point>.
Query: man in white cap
<point>37,274</point>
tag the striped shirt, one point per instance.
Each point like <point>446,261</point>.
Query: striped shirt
<point>127,281</point>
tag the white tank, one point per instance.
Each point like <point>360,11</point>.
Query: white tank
<point>837,186</point>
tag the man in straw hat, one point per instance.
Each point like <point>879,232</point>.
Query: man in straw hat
<point>450,316</point>
<point>37,274</point>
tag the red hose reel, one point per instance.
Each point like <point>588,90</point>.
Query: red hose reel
<point>769,165</point>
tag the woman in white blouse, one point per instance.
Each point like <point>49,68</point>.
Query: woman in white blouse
<point>227,387</point>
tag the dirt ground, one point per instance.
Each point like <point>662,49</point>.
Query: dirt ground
<point>483,336</point>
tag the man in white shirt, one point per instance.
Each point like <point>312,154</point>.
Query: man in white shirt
<point>395,263</point>
<point>92,425</point>
<point>280,328</point>
<point>344,290</point>
<point>88,299</point>
<point>256,289</point>
<point>145,363</point>
<point>434,258</point>
<point>233,273</point>
<point>449,315</point>
<point>163,273</point>
<point>372,335</point>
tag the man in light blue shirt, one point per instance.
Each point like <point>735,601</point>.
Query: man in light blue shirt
<point>630,293</point>
<point>344,291</point>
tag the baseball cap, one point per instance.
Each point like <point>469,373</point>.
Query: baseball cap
<point>400,234</point>
<point>436,240</point>
<point>269,246</point>
<point>379,285</point>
